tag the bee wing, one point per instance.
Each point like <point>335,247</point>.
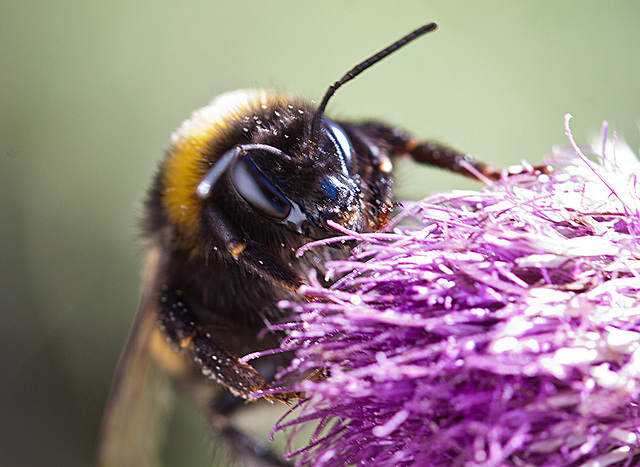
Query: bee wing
<point>132,425</point>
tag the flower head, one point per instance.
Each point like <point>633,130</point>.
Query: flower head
<point>499,327</point>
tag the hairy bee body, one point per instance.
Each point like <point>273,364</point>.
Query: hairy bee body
<point>212,266</point>
<point>218,264</point>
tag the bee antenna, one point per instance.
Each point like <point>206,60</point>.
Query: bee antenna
<point>364,65</point>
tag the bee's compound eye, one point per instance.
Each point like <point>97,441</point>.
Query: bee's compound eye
<point>341,140</point>
<point>256,190</point>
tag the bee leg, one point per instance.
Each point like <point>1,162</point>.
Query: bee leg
<point>438,155</point>
<point>215,361</point>
<point>247,449</point>
<point>257,450</point>
<point>251,256</point>
<point>243,445</point>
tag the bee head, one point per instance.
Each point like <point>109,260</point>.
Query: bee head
<point>249,154</point>
<point>265,159</point>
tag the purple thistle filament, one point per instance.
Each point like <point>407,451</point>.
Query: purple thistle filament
<point>491,328</point>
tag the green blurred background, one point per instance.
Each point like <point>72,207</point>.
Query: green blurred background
<point>90,91</point>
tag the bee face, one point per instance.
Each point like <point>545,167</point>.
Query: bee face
<point>251,155</point>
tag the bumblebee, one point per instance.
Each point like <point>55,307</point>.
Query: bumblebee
<point>246,181</point>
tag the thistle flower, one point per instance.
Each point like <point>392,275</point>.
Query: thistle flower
<point>501,328</point>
